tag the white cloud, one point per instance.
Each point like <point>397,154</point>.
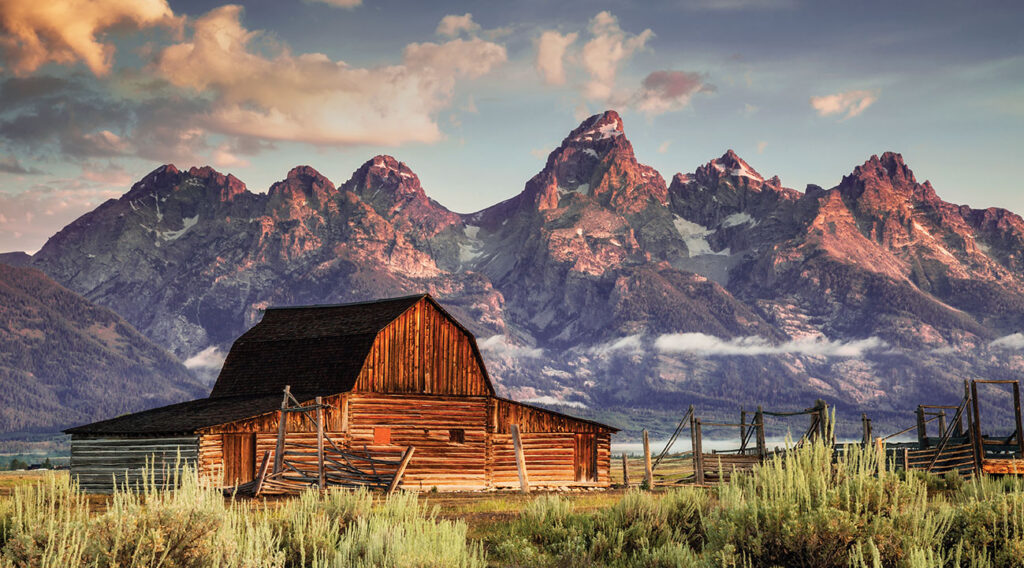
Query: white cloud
<point>551,48</point>
<point>345,4</point>
<point>702,344</point>
<point>210,358</point>
<point>548,399</point>
<point>224,157</point>
<point>311,98</point>
<point>498,345</point>
<point>1012,341</point>
<point>628,345</point>
<point>663,147</point>
<point>666,91</point>
<point>850,103</point>
<point>761,145</point>
<point>65,32</point>
<point>608,47</point>
<point>453,26</point>
<point>539,153</point>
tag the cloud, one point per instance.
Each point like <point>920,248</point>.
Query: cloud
<point>109,174</point>
<point>739,5</point>
<point>750,110</point>
<point>453,26</point>
<point>550,400</point>
<point>29,218</point>
<point>210,358</point>
<point>850,103</point>
<point>608,47</point>
<point>498,345</point>
<point>761,145</point>
<point>77,119</point>
<point>224,157</point>
<point>709,345</point>
<point>1012,341</point>
<point>311,98</point>
<point>628,345</point>
<point>665,91</point>
<point>71,31</point>
<point>539,153</point>
<point>11,165</point>
<point>345,4</point>
<point>551,48</point>
<point>663,147</point>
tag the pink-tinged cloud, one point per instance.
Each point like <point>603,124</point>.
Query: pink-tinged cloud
<point>709,345</point>
<point>453,25</point>
<point>311,98</point>
<point>346,4</point>
<point>37,32</point>
<point>666,91</point>
<point>551,48</point>
<point>607,49</point>
<point>30,217</point>
<point>849,103</point>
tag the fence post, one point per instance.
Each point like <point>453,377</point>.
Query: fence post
<point>743,432</point>
<point>761,450</point>
<point>980,441</point>
<point>648,472</point>
<point>922,429</point>
<point>625,470</point>
<point>699,454</point>
<point>866,425</point>
<point>880,450</point>
<point>970,427</point>
<point>282,425</point>
<point>1016,410</point>
<point>321,474</point>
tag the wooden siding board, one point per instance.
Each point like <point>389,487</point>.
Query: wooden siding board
<point>100,462</point>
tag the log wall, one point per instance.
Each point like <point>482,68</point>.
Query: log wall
<point>97,463</point>
<point>483,458</point>
<point>423,352</point>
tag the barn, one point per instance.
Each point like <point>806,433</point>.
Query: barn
<point>389,374</point>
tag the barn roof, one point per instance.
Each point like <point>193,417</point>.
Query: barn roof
<point>314,349</point>
<point>185,417</point>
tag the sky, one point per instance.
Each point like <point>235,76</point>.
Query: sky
<point>474,95</point>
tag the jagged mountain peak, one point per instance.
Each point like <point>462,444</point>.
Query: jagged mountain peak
<point>728,167</point>
<point>168,179</point>
<point>598,127</point>
<point>385,173</point>
<point>889,166</point>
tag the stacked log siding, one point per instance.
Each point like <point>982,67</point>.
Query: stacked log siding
<point>100,463</point>
<point>391,375</point>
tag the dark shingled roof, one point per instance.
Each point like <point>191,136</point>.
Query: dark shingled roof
<point>315,349</point>
<point>185,417</point>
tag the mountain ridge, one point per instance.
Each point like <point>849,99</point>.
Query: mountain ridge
<point>596,250</point>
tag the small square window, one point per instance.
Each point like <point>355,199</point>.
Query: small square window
<point>457,436</point>
<point>382,435</point>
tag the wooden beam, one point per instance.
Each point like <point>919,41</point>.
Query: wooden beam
<point>743,431</point>
<point>261,474</point>
<point>321,481</point>
<point>524,480</point>
<point>1016,410</point>
<point>698,453</point>
<point>761,450</point>
<point>922,432</point>
<point>866,426</point>
<point>282,426</point>
<point>648,472</point>
<point>397,479</point>
<point>979,441</point>
<point>625,470</point>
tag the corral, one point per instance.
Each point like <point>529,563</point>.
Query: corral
<point>388,375</point>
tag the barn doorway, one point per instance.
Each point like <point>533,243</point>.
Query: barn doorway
<point>239,458</point>
<point>586,457</point>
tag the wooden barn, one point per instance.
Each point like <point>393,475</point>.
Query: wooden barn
<point>390,374</point>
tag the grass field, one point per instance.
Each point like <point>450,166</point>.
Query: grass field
<point>801,511</point>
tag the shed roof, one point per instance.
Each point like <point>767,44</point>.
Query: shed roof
<point>315,349</point>
<point>185,417</point>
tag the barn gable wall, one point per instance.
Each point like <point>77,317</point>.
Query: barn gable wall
<point>422,351</point>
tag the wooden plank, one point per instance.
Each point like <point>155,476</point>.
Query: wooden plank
<point>524,482</point>
<point>397,479</point>
<point>282,428</point>
<point>648,472</point>
<point>322,482</point>
<point>625,470</point>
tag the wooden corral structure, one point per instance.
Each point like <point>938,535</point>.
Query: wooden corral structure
<point>390,375</point>
<point>719,465</point>
<point>960,447</point>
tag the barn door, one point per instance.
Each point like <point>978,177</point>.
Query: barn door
<point>239,458</point>
<point>586,457</point>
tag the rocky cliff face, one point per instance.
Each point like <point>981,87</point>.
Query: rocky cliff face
<point>599,284</point>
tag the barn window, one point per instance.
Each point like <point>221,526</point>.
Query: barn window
<point>382,435</point>
<point>457,435</point>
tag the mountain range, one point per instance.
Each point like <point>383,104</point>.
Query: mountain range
<point>601,286</point>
